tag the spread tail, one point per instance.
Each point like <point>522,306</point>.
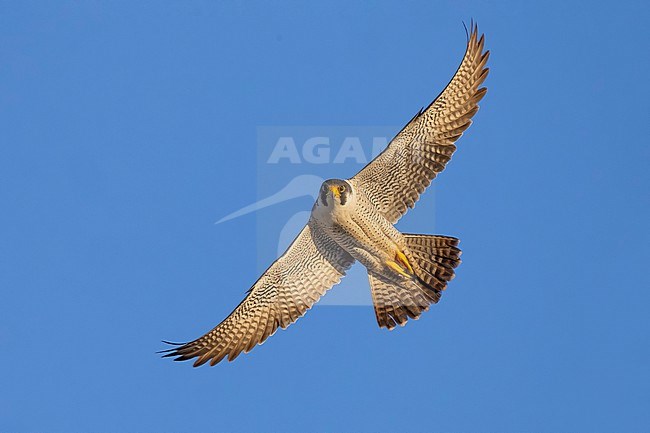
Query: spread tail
<point>435,258</point>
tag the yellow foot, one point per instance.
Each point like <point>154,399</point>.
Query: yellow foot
<point>401,258</point>
<point>397,268</point>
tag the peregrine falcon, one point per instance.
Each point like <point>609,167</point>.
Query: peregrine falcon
<point>353,220</point>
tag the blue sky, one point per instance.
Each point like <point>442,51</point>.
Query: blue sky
<point>128,128</point>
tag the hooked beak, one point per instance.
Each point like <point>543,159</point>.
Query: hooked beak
<point>335,191</point>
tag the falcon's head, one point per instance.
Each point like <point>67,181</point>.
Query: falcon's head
<point>335,192</point>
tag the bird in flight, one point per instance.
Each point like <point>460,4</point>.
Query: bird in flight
<point>353,220</point>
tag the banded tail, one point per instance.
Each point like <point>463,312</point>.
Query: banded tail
<point>435,259</point>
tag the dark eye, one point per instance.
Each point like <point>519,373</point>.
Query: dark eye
<point>341,188</point>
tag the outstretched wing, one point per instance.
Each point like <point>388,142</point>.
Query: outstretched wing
<point>310,266</point>
<point>396,178</point>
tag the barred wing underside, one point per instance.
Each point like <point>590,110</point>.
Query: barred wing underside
<point>396,178</point>
<point>310,266</point>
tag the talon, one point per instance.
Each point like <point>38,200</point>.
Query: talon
<point>397,268</point>
<point>403,260</point>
